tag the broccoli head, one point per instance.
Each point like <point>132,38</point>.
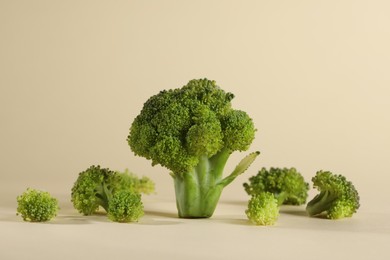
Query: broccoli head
<point>125,206</point>
<point>263,209</point>
<point>192,131</point>
<point>37,206</point>
<point>287,184</point>
<point>96,186</point>
<point>338,197</point>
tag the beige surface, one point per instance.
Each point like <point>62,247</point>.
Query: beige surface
<point>314,75</point>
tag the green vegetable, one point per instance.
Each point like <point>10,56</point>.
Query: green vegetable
<point>125,206</point>
<point>192,131</point>
<point>338,197</point>
<point>263,209</point>
<point>37,206</point>
<point>93,188</point>
<point>141,185</point>
<point>287,185</point>
<point>96,186</point>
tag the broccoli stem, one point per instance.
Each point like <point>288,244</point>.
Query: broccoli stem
<point>103,195</point>
<point>197,191</point>
<point>320,203</point>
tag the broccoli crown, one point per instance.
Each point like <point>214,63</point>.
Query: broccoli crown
<point>176,127</point>
<point>287,184</point>
<point>125,206</point>
<point>96,186</point>
<point>37,206</point>
<point>263,209</point>
<point>338,197</point>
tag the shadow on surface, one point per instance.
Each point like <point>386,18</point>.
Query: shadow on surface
<point>67,216</point>
<point>161,214</point>
<point>231,221</point>
<point>70,220</point>
<point>10,218</point>
<point>70,216</point>
<point>158,218</point>
<point>59,220</point>
<point>293,210</point>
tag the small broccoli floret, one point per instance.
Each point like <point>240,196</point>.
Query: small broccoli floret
<point>131,181</point>
<point>37,206</point>
<point>263,209</point>
<point>192,131</point>
<point>93,188</point>
<point>125,206</point>
<point>96,186</point>
<point>338,197</point>
<point>287,185</point>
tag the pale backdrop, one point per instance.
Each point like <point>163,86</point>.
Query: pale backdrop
<point>314,76</point>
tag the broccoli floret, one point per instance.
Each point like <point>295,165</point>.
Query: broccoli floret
<point>96,186</point>
<point>125,206</point>
<point>263,209</point>
<point>93,188</point>
<point>192,131</point>
<point>287,184</point>
<point>129,180</point>
<point>37,206</point>
<point>338,197</point>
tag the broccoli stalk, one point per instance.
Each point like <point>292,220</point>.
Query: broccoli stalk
<point>198,191</point>
<point>192,131</point>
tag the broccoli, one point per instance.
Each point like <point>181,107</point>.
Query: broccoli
<point>96,186</point>
<point>125,206</point>
<point>142,185</point>
<point>287,184</point>
<point>338,197</point>
<point>37,206</point>
<point>192,131</point>
<point>263,209</point>
<point>93,188</point>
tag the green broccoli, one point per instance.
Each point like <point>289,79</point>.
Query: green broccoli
<point>96,186</point>
<point>142,185</point>
<point>125,206</point>
<point>37,206</point>
<point>287,184</point>
<point>192,131</point>
<point>263,209</point>
<point>338,197</point>
<point>93,188</point>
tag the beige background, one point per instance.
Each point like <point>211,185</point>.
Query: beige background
<point>314,75</point>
